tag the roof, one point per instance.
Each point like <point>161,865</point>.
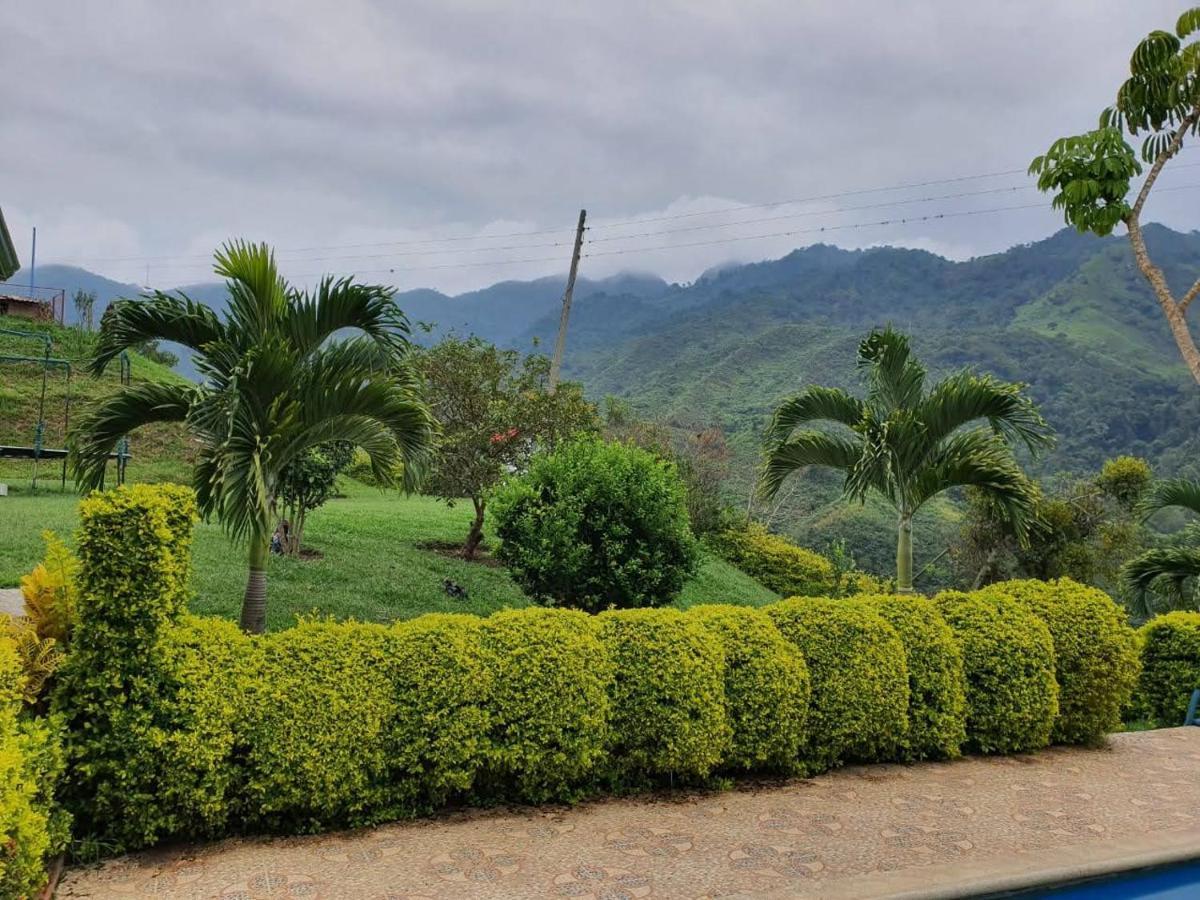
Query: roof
<point>8,253</point>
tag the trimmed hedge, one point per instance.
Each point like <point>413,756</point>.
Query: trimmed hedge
<point>937,697</point>
<point>1170,666</point>
<point>858,709</point>
<point>548,710</point>
<point>1008,659</point>
<point>767,689</point>
<point>775,562</point>
<point>1095,654</point>
<point>31,829</point>
<point>668,694</point>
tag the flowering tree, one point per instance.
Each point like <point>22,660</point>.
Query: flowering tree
<point>495,410</point>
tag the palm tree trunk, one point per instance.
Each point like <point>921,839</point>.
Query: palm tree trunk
<point>904,570</point>
<point>254,604</point>
<point>475,535</point>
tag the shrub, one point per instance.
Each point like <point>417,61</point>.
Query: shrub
<point>30,764</point>
<point>50,591</point>
<point>318,712</point>
<point>548,709</point>
<point>597,525</point>
<point>775,562</point>
<point>1008,658</point>
<point>858,709</point>
<point>441,688</point>
<point>1170,666</point>
<point>668,695</point>
<point>766,687</point>
<point>1095,654</point>
<point>134,564</point>
<point>937,699</point>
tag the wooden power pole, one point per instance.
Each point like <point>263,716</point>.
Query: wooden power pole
<point>560,343</point>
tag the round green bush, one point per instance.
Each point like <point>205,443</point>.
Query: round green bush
<point>937,694</point>
<point>548,709</point>
<point>1095,654</point>
<point>318,713</point>
<point>1008,658</point>
<point>766,687</point>
<point>858,710</point>
<point>668,694</point>
<point>596,526</point>
<point>441,687</point>
<point>1170,666</point>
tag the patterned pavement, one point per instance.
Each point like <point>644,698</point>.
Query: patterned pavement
<point>858,832</point>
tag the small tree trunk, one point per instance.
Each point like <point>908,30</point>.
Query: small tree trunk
<point>475,535</point>
<point>254,603</point>
<point>904,570</point>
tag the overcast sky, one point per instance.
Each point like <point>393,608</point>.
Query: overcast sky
<point>151,131</point>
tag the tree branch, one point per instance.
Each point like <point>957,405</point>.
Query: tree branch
<point>1171,149</point>
<point>1186,300</point>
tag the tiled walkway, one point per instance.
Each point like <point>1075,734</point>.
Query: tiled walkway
<point>859,832</point>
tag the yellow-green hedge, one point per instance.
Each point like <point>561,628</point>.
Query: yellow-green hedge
<point>1170,666</point>
<point>1095,654</point>
<point>30,763</point>
<point>775,562</point>
<point>548,709</point>
<point>766,688</point>
<point>937,700</point>
<point>668,694</point>
<point>1008,659</point>
<point>858,709</point>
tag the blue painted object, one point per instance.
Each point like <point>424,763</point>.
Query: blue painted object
<point>1180,882</point>
<point>1191,714</point>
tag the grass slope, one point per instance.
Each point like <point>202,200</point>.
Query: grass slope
<point>372,569</point>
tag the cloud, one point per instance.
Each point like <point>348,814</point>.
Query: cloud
<point>157,129</point>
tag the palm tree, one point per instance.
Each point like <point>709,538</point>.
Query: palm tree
<point>281,375</point>
<point>909,444</point>
<point>1165,571</point>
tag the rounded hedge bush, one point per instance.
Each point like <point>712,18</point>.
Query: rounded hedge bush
<point>596,525</point>
<point>1095,654</point>
<point>1008,659</point>
<point>548,709</point>
<point>668,694</point>
<point>1170,666</point>
<point>318,712</point>
<point>858,709</point>
<point>775,562</point>
<point>766,687</point>
<point>937,695</point>
<point>441,688</point>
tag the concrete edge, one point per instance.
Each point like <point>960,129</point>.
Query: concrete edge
<point>1006,874</point>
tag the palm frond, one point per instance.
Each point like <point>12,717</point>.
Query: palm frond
<point>895,377</point>
<point>1181,492</point>
<point>104,424</point>
<point>814,404</point>
<point>965,398</point>
<point>806,448</point>
<point>341,304</point>
<point>979,459</point>
<point>258,294</point>
<point>1163,572</point>
<point>128,323</point>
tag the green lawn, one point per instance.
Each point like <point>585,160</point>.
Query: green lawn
<point>371,569</point>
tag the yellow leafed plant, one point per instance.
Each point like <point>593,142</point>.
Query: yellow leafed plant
<point>39,656</point>
<point>50,591</point>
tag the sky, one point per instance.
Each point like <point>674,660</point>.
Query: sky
<point>451,145</point>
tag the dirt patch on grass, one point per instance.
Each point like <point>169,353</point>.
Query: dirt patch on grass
<point>454,550</point>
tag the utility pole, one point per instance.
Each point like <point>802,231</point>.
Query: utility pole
<point>559,344</point>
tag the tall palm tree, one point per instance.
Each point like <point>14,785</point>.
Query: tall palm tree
<point>909,444</point>
<point>284,370</point>
<point>1164,572</point>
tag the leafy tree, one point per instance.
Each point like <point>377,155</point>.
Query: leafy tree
<point>908,443</point>
<point>597,525</point>
<point>85,302</point>
<point>306,483</point>
<point>278,381</point>
<point>495,411</point>
<point>1083,529</point>
<point>1091,173</point>
<point>1167,576</point>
